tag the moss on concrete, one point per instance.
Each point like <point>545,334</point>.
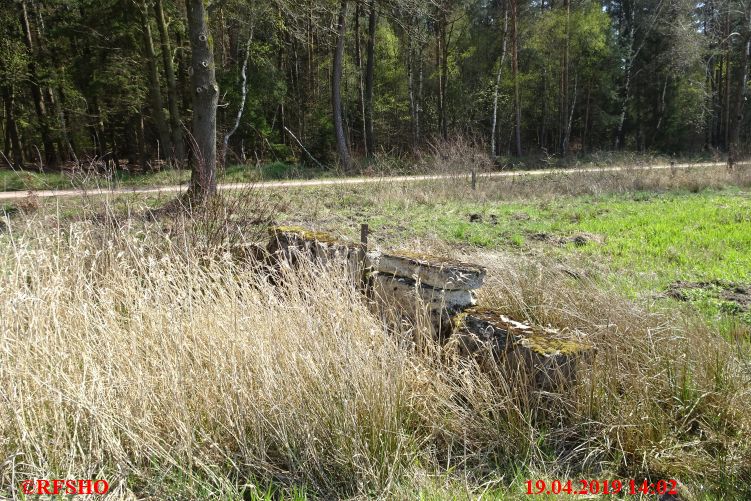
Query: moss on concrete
<point>548,346</point>
<point>305,234</point>
<point>539,340</point>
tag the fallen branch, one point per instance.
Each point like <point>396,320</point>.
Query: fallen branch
<point>303,148</point>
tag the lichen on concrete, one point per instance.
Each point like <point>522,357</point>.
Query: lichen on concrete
<point>487,323</point>
<point>550,346</point>
<point>305,234</point>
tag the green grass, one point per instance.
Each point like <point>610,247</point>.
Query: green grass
<point>639,242</point>
<point>27,180</point>
<point>657,237</point>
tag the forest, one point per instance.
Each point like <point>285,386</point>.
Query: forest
<point>324,82</point>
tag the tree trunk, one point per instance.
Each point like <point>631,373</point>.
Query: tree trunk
<point>411,85</point>
<point>205,99</point>
<point>360,76</point>
<point>740,98</point>
<point>369,75</point>
<point>244,94</point>
<point>442,62</point>
<point>55,113</point>
<point>336,90</point>
<point>66,124</point>
<point>515,75</point>
<point>178,141</point>
<point>50,155</point>
<point>143,161</point>
<point>11,128</point>
<point>155,92</point>
<point>585,132</point>
<point>630,30</point>
<point>420,94</point>
<point>570,116</point>
<point>565,84</point>
<point>620,137</point>
<point>727,124</point>
<point>415,89</point>
<point>493,151</point>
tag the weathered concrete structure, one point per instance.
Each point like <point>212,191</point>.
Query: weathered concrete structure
<point>409,285</point>
<point>437,272</point>
<point>413,284</point>
<point>540,352</point>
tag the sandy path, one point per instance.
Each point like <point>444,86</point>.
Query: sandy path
<point>14,195</point>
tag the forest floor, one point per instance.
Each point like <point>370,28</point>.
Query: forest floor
<point>652,264</point>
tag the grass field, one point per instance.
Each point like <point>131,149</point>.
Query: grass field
<point>641,242</point>
<point>135,348</point>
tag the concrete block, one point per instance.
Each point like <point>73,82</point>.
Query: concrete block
<point>437,272</point>
<point>540,354</point>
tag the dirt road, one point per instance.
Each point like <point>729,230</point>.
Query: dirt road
<point>14,195</point>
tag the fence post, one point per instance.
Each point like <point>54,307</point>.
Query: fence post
<point>364,232</point>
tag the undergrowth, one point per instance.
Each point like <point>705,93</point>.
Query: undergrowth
<point>166,365</point>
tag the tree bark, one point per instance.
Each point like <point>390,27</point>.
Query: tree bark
<point>515,75</point>
<point>740,98</point>
<point>244,94</point>
<point>50,155</point>
<point>178,141</point>
<point>11,128</point>
<point>336,90</point>
<point>411,86</point>
<point>565,121</point>
<point>620,137</point>
<point>442,63</point>
<point>205,99</point>
<point>360,75</point>
<point>493,151</point>
<point>155,92</point>
<point>420,94</point>
<point>55,111</point>
<point>369,76</point>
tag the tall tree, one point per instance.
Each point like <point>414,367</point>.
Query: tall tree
<point>336,90</point>
<point>636,18</point>
<point>565,120</point>
<point>741,85</point>
<point>515,76</point>
<point>494,118</point>
<point>205,100</point>
<point>12,141</point>
<point>369,78</point>
<point>155,90</point>
<point>173,98</point>
<point>50,154</point>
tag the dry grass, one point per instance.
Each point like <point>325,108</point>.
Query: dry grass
<point>564,183</point>
<point>128,353</point>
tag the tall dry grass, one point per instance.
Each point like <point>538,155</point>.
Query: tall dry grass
<point>172,371</point>
<point>563,183</point>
